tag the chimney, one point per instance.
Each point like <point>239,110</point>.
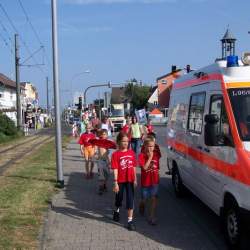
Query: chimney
<point>188,68</point>
<point>174,68</point>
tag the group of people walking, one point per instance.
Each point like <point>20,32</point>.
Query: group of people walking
<point>135,146</point>
<point>94,122</point>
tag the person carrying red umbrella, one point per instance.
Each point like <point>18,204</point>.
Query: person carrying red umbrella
<point>103,146</point>
<point>103,163</point>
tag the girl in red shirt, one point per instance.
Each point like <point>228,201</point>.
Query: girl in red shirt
<point>149,161</point>
<point>123,162</point>
<point>149,126</point>
<point>126,129</point>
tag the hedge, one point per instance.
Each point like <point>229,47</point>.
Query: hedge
<point>7,128</point>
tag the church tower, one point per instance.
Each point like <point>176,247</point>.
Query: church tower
<point>228,44</point>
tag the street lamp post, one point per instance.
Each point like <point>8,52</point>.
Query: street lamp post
<point>94,86</point>
<point>60,178</point>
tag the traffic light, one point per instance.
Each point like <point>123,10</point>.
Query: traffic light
<point>80,103</point>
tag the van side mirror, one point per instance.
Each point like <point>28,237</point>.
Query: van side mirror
<point>211,129</point>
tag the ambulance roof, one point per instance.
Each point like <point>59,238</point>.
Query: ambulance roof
<point>229,74</point>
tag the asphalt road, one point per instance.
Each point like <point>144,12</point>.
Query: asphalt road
<point>207,223</point>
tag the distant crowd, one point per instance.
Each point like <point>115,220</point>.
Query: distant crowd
<point>135,146</point>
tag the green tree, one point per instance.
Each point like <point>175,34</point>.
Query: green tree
<point>8,130</point>
<point>137,94</point>
<point>7,126</point>
<point>99,103</point>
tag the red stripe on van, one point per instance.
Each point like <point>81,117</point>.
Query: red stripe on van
<point>205,78</point>
<point>231,170</point>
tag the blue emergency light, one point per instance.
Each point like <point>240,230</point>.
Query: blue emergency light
<point>232,61</point>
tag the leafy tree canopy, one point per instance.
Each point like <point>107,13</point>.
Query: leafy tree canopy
<point>137,93</point>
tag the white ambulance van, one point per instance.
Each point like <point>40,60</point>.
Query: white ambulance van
<point>208,141</point>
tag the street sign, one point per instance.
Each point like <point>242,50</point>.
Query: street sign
<point>141,115</point>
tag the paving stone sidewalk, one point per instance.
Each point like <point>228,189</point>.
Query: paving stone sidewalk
<point>81,219</point>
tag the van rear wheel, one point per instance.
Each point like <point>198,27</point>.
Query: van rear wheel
<point>177,183</point>
<point>232,224</point>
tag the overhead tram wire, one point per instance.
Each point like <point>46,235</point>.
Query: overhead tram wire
<point>28,20</point>
<point>6,44</point>
<point>23,42</point>
<point>6,31</point>
<point>27,59</point>
<point>34,30</point>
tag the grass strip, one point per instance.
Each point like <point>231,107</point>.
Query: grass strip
<point>24,195</point>
<point>4,139</point>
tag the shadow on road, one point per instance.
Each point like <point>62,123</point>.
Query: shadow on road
<point>182,224</point>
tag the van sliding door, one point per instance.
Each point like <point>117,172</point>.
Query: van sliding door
<point>211,174</point>
<point>194,134</point>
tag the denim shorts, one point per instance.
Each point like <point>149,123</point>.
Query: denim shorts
<point>149,192</point>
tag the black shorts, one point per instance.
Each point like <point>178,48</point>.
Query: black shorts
<point>129,187</point>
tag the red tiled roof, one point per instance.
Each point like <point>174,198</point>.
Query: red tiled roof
<point>156,112</point>
<point>7,81</point>
<point>171,73</point>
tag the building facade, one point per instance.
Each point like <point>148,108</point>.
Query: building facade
<point>153,99</point>
<point>164,86</point>
<point>30,94</point>
<point>8,96</point>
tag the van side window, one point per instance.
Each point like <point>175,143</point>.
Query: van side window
<point>223,129</point>
<point>196,111</point>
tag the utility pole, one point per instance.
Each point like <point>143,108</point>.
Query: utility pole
<point>100,111</point>
<point>60,179</point>
<point>18,89</point>
<point>47,87</point>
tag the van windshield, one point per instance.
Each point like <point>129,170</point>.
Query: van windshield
<point>240,99</point>
<point>117,113</point>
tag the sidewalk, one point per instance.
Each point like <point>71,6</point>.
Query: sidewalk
<point>81,219</point>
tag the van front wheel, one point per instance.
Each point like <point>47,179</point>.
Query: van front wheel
<point>177,183</point>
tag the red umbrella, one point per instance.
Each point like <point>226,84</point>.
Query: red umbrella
<point>103,143</point>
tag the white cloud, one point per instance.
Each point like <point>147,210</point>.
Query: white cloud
<point>88,2</point>
<point>65,27</point>
<point>69,29</point>
<point>85,2</point>
<point>99,29</point>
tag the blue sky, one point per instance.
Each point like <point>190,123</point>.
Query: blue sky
<point>121,39</point>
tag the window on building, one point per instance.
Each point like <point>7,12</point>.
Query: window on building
<point>196,111</point>
<point>163,81</point>
<point>1,95</point>
<point>155,103</point>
